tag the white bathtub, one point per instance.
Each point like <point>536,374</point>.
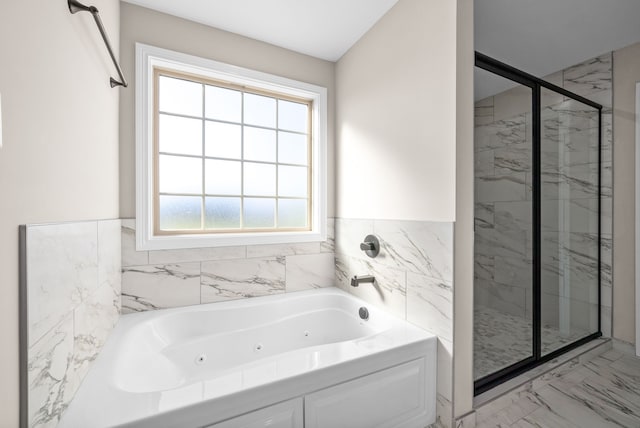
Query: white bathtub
<point>199,365</point>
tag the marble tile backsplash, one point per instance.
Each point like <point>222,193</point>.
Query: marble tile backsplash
<point>73,273</point>
<point>569,163</point>
<point>171,278</point>
<point>414,281</point>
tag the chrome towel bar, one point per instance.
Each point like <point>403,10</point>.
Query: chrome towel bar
<point>75,7</point>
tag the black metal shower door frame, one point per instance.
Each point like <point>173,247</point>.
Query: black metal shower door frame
<point>536,84</point>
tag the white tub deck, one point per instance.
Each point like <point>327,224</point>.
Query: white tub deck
<point>196,365</point>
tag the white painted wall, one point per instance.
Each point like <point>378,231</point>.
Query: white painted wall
<point>59,160</point>
<point>626,72</point>
<point>404,139</point>
<point>637,248</point>
<point>463,231</point>
<point>396,117</point>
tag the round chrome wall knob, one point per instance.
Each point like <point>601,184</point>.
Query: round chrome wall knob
<point>371,246</point>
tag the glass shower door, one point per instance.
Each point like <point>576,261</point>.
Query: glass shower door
<point>537,206</point>
<point>503,285</point>
<point>569,180</point>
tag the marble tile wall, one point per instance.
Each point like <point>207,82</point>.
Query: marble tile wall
<point>171,278</point>
<point>569,211</point>
<point>414,281</point>
<point>73,301</point>
<point>503,201</point>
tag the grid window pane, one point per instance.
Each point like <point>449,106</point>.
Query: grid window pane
<point>292,181</point>
<point>223,140</point>
<point>223,104</point>
<point>229,159</point>
<point>293,116</point>
<point>292,148</point>
<point>259,179</point>
<point>259,110</point>
<point>180,96</point>
<point>222,213</point>
<point>292,212</point>
<point>259,212</point>
<point>180,135</point>
<point>180,174</point>
<point>259,144</point>
<point>222,177</point>
<point>180,212</point>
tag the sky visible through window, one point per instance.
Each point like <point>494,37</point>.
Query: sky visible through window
<point>230,159</point>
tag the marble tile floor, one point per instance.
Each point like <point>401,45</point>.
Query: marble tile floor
<point>600,393</point>
<point>502,339</point>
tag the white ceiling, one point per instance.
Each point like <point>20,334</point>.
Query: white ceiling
<point>537,36</point>
<point>544,36</point>
<point>321,28</point>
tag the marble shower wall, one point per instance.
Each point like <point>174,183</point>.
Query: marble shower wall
<point>171,278</point>
<point>414,281</point>
<point>503,206</point>
<point>72,303</point>
<point>569,210</point>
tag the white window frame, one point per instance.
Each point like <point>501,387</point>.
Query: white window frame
<point>150,57</point>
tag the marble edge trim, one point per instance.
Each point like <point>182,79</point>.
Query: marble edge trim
<point>23,327</point>
<point>392,219</point>
<point>444,412</point>
<point>467,420</point>
<point>68,222</point>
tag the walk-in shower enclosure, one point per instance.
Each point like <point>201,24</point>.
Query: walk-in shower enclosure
<point>537,223</point>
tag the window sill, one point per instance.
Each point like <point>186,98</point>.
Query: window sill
<point>173,242</point>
